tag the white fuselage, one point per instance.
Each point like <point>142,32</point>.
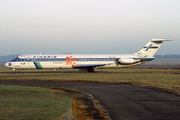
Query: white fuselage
<point>58,61</point>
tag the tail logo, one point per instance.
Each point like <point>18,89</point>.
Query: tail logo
<point>150,46</point>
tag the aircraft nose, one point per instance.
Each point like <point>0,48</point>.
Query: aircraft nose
<point>7,64</point>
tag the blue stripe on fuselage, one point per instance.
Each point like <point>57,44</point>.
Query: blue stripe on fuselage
<point>78,59</point>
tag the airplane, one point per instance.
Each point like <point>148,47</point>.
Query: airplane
<point>87,62</point>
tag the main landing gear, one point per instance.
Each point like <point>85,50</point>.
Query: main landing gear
<point>14,71</point>
<point>90,70</point>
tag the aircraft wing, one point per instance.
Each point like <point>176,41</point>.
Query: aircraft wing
<point>89,65</point>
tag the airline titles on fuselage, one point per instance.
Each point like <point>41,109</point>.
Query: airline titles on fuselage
<point>44,57</point>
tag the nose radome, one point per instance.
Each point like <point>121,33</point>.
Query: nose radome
<point>7,64</point>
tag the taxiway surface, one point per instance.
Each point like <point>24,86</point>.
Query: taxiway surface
<point>123,102</point>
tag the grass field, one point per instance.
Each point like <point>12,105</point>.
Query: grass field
<point>164,79</point>
<point>22,102</point>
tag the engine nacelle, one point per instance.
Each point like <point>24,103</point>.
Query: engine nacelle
<point>127,61</point>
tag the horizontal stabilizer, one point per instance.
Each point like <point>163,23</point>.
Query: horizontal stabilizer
<point>159,40</point>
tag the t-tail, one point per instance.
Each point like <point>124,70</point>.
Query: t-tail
<point>151,47</point>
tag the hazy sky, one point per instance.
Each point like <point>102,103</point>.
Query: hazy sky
<point>87,26</point>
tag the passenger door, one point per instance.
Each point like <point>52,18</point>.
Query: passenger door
<point>23,60</point>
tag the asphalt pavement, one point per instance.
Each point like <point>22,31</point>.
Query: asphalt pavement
<point>123,102</point>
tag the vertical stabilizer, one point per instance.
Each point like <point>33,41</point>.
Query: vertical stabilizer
<point>151,47</point>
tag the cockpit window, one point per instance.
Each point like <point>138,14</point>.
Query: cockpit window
<point>16,59</point>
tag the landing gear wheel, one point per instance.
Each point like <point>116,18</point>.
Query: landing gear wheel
<point>14,71</point>
<point>90,70</point>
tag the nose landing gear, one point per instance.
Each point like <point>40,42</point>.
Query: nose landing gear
<point>14,71</point>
